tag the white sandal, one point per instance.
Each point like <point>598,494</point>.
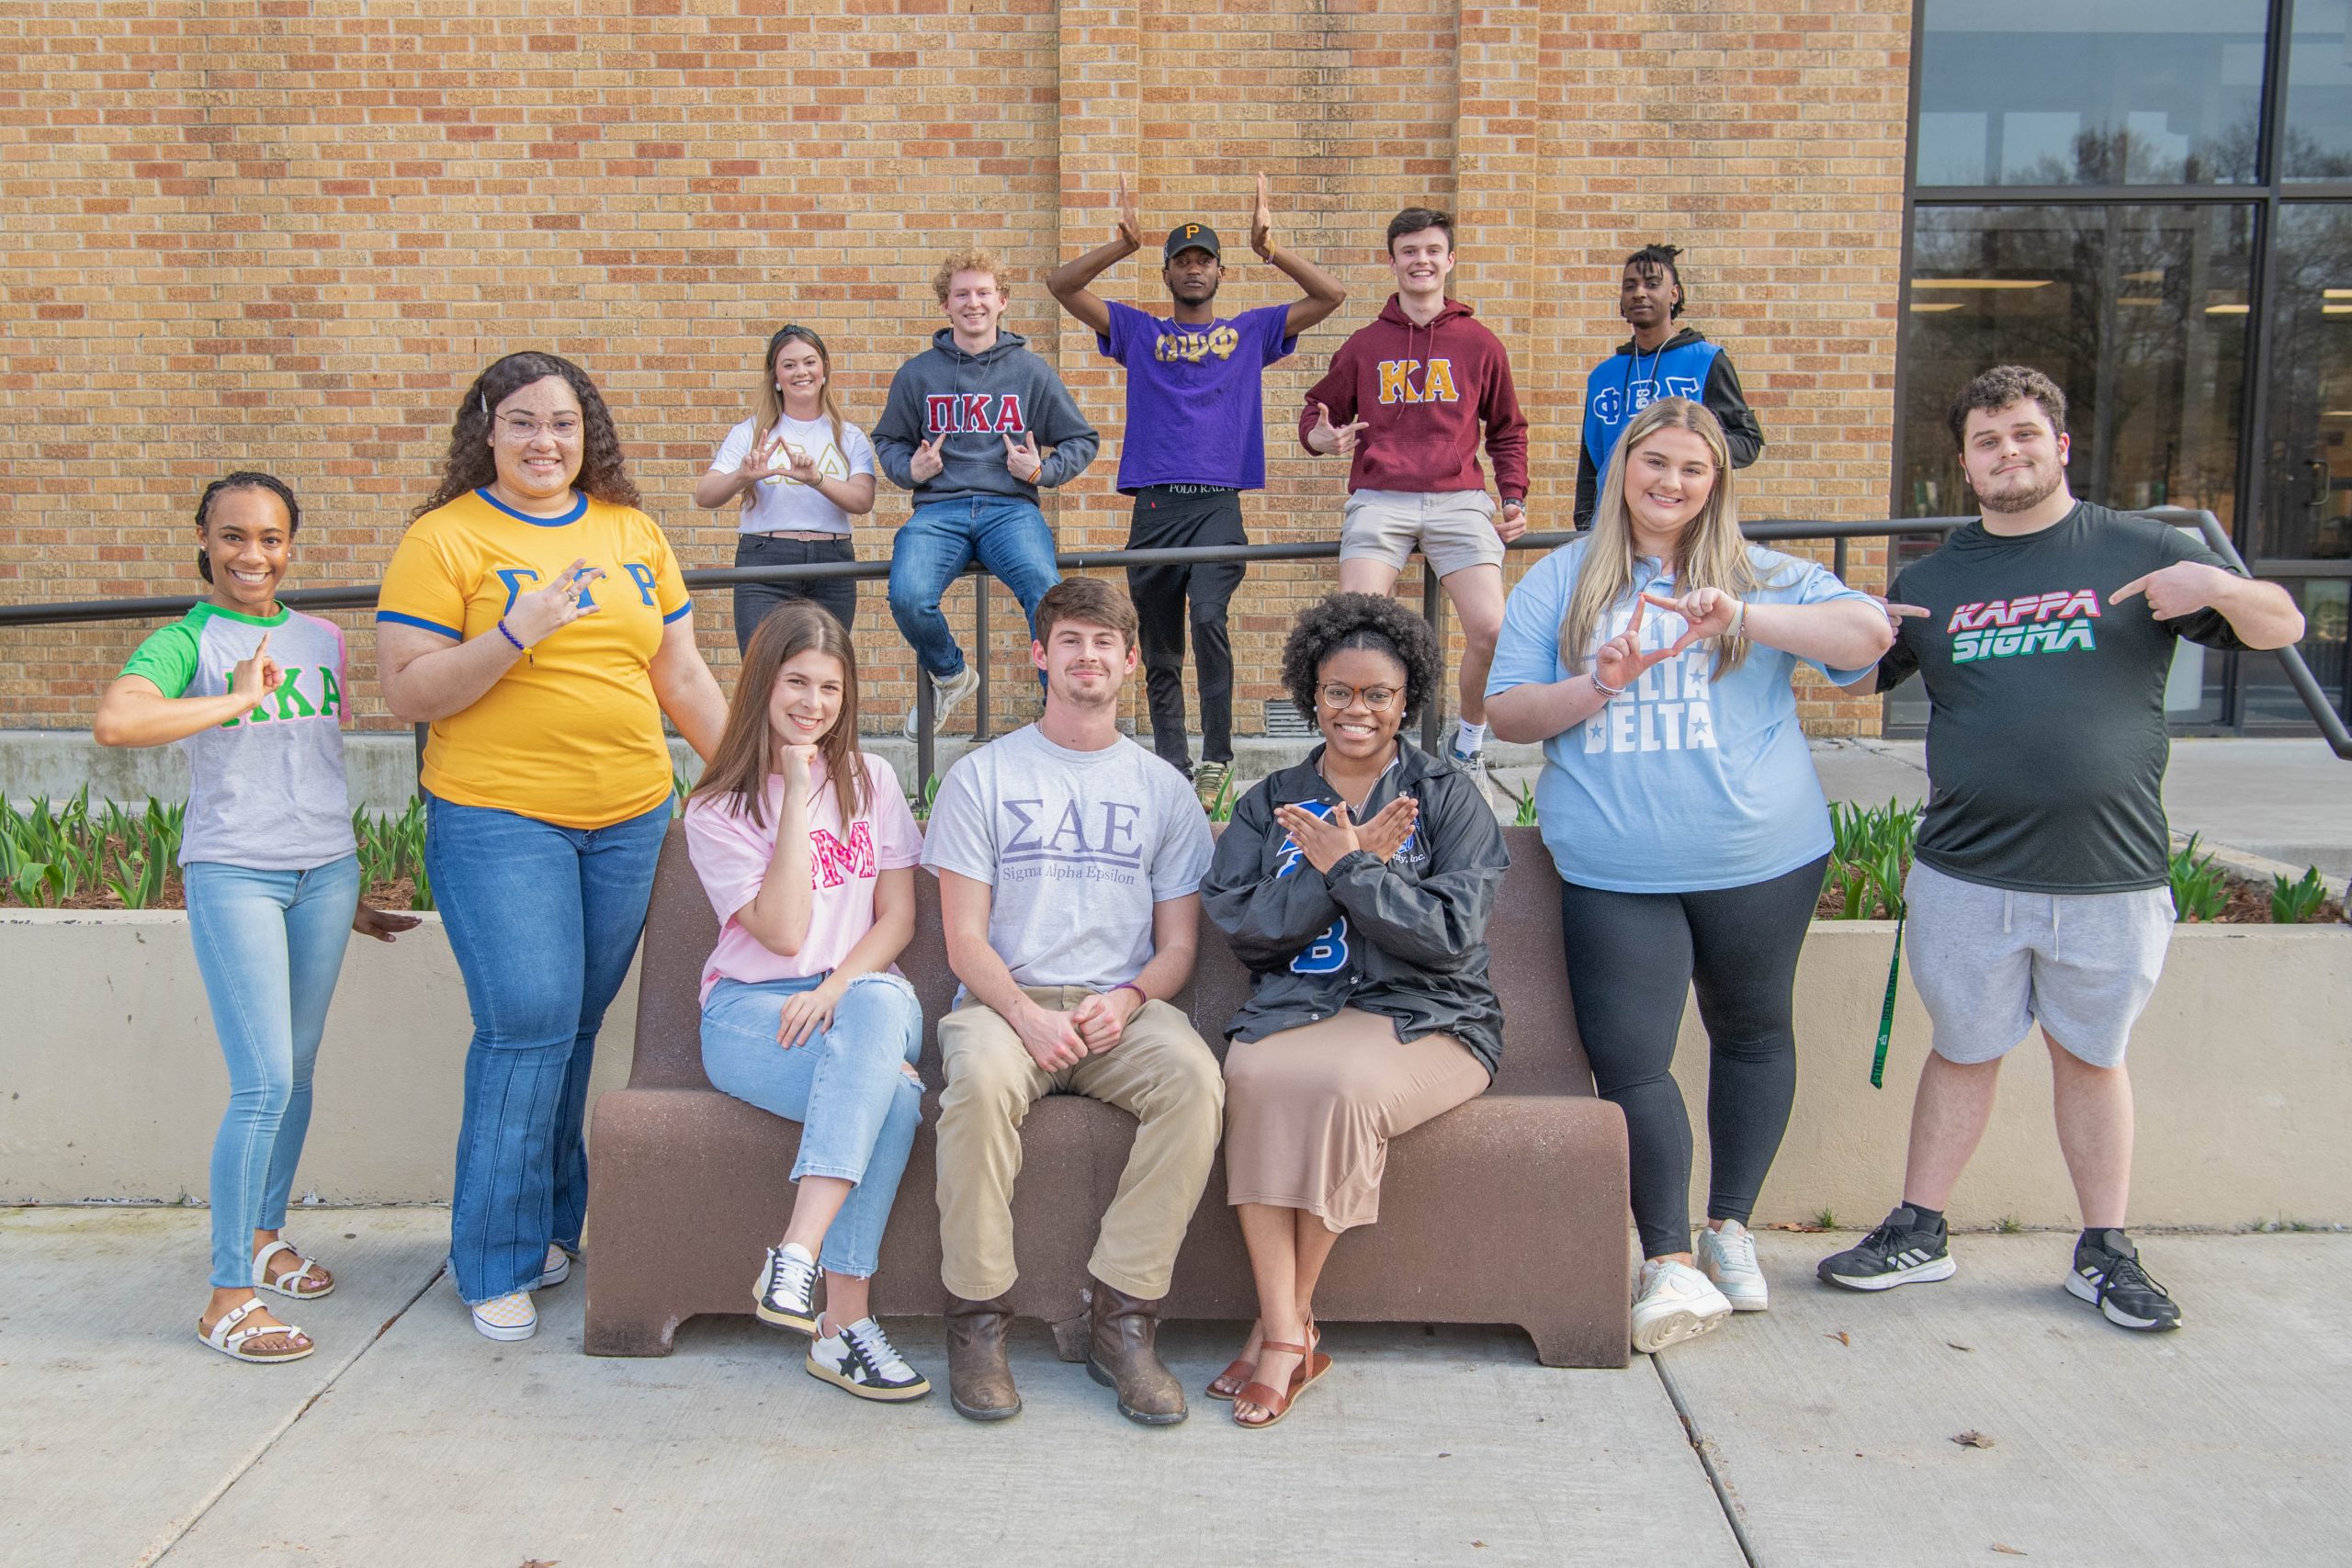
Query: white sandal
<point>299,1273</point>
<point>230,1340</point>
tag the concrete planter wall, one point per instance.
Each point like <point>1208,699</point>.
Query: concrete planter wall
<point>111,1084</point>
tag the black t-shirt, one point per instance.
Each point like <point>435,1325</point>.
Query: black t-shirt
<point>2046,740</point>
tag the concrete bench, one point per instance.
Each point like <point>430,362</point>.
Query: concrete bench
<point>1509,1209</point>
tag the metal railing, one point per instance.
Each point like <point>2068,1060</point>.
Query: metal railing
<point>2330,723</point>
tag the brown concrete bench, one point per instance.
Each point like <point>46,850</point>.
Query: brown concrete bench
<point>1509,1209</point>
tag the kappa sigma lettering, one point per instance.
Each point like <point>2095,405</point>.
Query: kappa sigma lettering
<point>833,862</point>
<point>2031,623</point>
<point>1437,386</point>
<point>1670,707</point>
<point>1190,348</point>
<point>955,413</point>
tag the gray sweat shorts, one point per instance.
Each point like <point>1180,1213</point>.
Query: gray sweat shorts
<point>1990,962</point>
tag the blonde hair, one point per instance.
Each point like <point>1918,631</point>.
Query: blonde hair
<point>771,410</point>
<point>970,259</point>
<point>1710,553</point>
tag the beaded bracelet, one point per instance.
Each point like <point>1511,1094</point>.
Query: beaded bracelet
<point>510,636</point>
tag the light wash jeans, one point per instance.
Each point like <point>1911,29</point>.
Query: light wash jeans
<point>931,549</point>
<point>543,922</point>
<point>269,945</point>
<point>858,1110</point>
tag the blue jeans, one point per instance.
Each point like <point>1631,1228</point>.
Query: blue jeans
<point>857,1112</point>
<point>269,945</point>
<point>1007,536</point>
<point>543,920</point>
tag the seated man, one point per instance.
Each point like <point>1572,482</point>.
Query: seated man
<point>1069,859</point>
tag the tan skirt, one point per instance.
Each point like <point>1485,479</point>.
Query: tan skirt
<point>1309,1113</point>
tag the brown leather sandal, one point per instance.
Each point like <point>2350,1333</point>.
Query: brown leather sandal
<point>1228,1384</point>
<point>1276,1403</point>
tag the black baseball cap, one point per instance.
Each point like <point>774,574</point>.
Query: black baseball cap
<point>1191,237</point>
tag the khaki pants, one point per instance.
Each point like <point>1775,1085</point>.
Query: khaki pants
<point>1160,1072</point>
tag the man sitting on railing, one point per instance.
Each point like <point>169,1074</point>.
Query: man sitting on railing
<point>961,430</point>
<point>2040,889</point>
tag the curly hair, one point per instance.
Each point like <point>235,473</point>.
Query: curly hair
<point>1997,389</point>
<point>1373,621</point>
<point>470,466</point>
<point>972,259</point>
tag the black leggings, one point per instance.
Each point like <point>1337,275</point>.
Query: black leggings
<point>1632,957</point>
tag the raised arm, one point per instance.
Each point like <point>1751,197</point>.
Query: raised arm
<point>1324,293</point>
<point>136,712</point>
<point>1067,283</point>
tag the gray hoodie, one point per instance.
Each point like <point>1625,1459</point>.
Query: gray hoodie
<point>979,400</point>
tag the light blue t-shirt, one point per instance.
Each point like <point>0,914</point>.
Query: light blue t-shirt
<point>1686,782</point>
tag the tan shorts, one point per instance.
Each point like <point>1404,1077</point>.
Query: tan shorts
<point>1454,528</point>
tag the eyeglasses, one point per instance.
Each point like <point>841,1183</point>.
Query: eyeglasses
<point>1337,696</point>
<point>523,428</point>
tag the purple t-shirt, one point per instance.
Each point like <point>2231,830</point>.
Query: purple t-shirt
<point>1197,409</point>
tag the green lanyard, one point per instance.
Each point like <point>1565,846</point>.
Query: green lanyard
<point>1886,1012</point>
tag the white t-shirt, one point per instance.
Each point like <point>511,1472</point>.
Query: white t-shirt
<point>781,504</point>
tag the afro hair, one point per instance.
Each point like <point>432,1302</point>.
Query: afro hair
<point>1361,620</point>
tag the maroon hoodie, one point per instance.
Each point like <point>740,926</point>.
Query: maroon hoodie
<point>1423,392</point>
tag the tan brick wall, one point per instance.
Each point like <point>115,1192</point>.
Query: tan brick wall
<point>286,234</point>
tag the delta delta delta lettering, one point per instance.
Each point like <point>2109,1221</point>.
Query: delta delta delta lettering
<point>2031,623</point>
<point>1669,707</point>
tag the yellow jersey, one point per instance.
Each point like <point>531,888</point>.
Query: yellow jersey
<point>572,734</point>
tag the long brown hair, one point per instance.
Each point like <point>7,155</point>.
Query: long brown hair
<point>472,466</point>
<point>772,397</point>
<point>747,748</point>
<point>1710,553</point>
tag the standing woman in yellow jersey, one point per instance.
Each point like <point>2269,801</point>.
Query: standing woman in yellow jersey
<point>537,618</point>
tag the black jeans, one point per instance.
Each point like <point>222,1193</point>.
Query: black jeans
<point>755,602</point>
<point>1172,517</point>
<point>1631,957</point>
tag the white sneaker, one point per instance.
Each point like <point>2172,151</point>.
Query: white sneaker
<point>1677,1303</point>
<point>785,1291</point>
<point>861,1360</point>
<point>508,1318</point>
<point>947,696</point>
<point>1473,767</point>
<point>1728,1257</point>
<point>556,1268</point>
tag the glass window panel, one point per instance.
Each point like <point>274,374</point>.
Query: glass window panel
<point>2268,698</point>
<point>2091,91</point>
<point>2307,478</point>
<point>2315,141</point>
<point>2139,313</point>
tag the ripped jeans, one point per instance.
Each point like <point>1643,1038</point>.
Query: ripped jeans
<point>856,1107</point>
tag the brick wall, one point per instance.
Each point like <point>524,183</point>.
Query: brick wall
<point>286,234</point>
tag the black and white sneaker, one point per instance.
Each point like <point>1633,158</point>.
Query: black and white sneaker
<point>860,1359</point>
<point>785,1291</point>
<point>1902,1251</point>
<point>2108,1276</point>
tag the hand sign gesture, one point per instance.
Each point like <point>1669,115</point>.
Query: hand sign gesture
<point>1620,662</point>
<point>1390,826</point>
<point>1262,224</point>
<point>763,462</point>
<point>549,609</point>
<point>1130,215</point>
<point>1709,611</point>
<point>927,462</point>
<point>1023,459</point>
<point>800,467</point>
<point>2181,589</point>
<point>1322,839</point>
<point>1329,439</point>
<point>255,677</point>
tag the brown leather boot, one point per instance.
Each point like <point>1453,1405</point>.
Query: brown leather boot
<point>1124,1356</point>
<point>980,1379</point>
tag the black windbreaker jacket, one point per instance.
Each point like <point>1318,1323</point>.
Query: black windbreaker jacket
<point>1406,939</point>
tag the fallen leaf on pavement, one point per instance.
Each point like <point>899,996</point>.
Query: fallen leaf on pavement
<point>2007,1551</point>
<point>1786,1226</point>
<point>1840,1336</point>
<point>1957,1346</point>
<point>1974,1440</point>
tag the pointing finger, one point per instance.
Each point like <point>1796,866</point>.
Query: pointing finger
<point>1895,609</point>
<point>2131,589</point>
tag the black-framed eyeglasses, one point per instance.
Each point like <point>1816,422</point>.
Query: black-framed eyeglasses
<point>1338,696</point>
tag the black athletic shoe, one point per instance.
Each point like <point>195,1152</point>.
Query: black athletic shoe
<point>2108,1276</point>
<point>1902,1251</point>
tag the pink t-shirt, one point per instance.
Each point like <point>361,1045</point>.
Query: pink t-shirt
<point>732,855</point>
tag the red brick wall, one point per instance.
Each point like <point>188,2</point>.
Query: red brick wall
<point>285,235</point>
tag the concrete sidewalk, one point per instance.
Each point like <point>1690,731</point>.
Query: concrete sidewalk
<point>410,1440</point>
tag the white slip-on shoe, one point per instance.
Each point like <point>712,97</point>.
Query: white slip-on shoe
<point>1677,1303</point>
<point>1728,1257</point>
<point>508,1318</point>
<point>556,1270</point>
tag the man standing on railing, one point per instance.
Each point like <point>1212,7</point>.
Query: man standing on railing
<point>962,430</point>
<point>1407,397</point>
<point>2040,889</point>
<point>1196,439</point>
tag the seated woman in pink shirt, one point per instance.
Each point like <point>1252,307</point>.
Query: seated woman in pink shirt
<point>807,848</point>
